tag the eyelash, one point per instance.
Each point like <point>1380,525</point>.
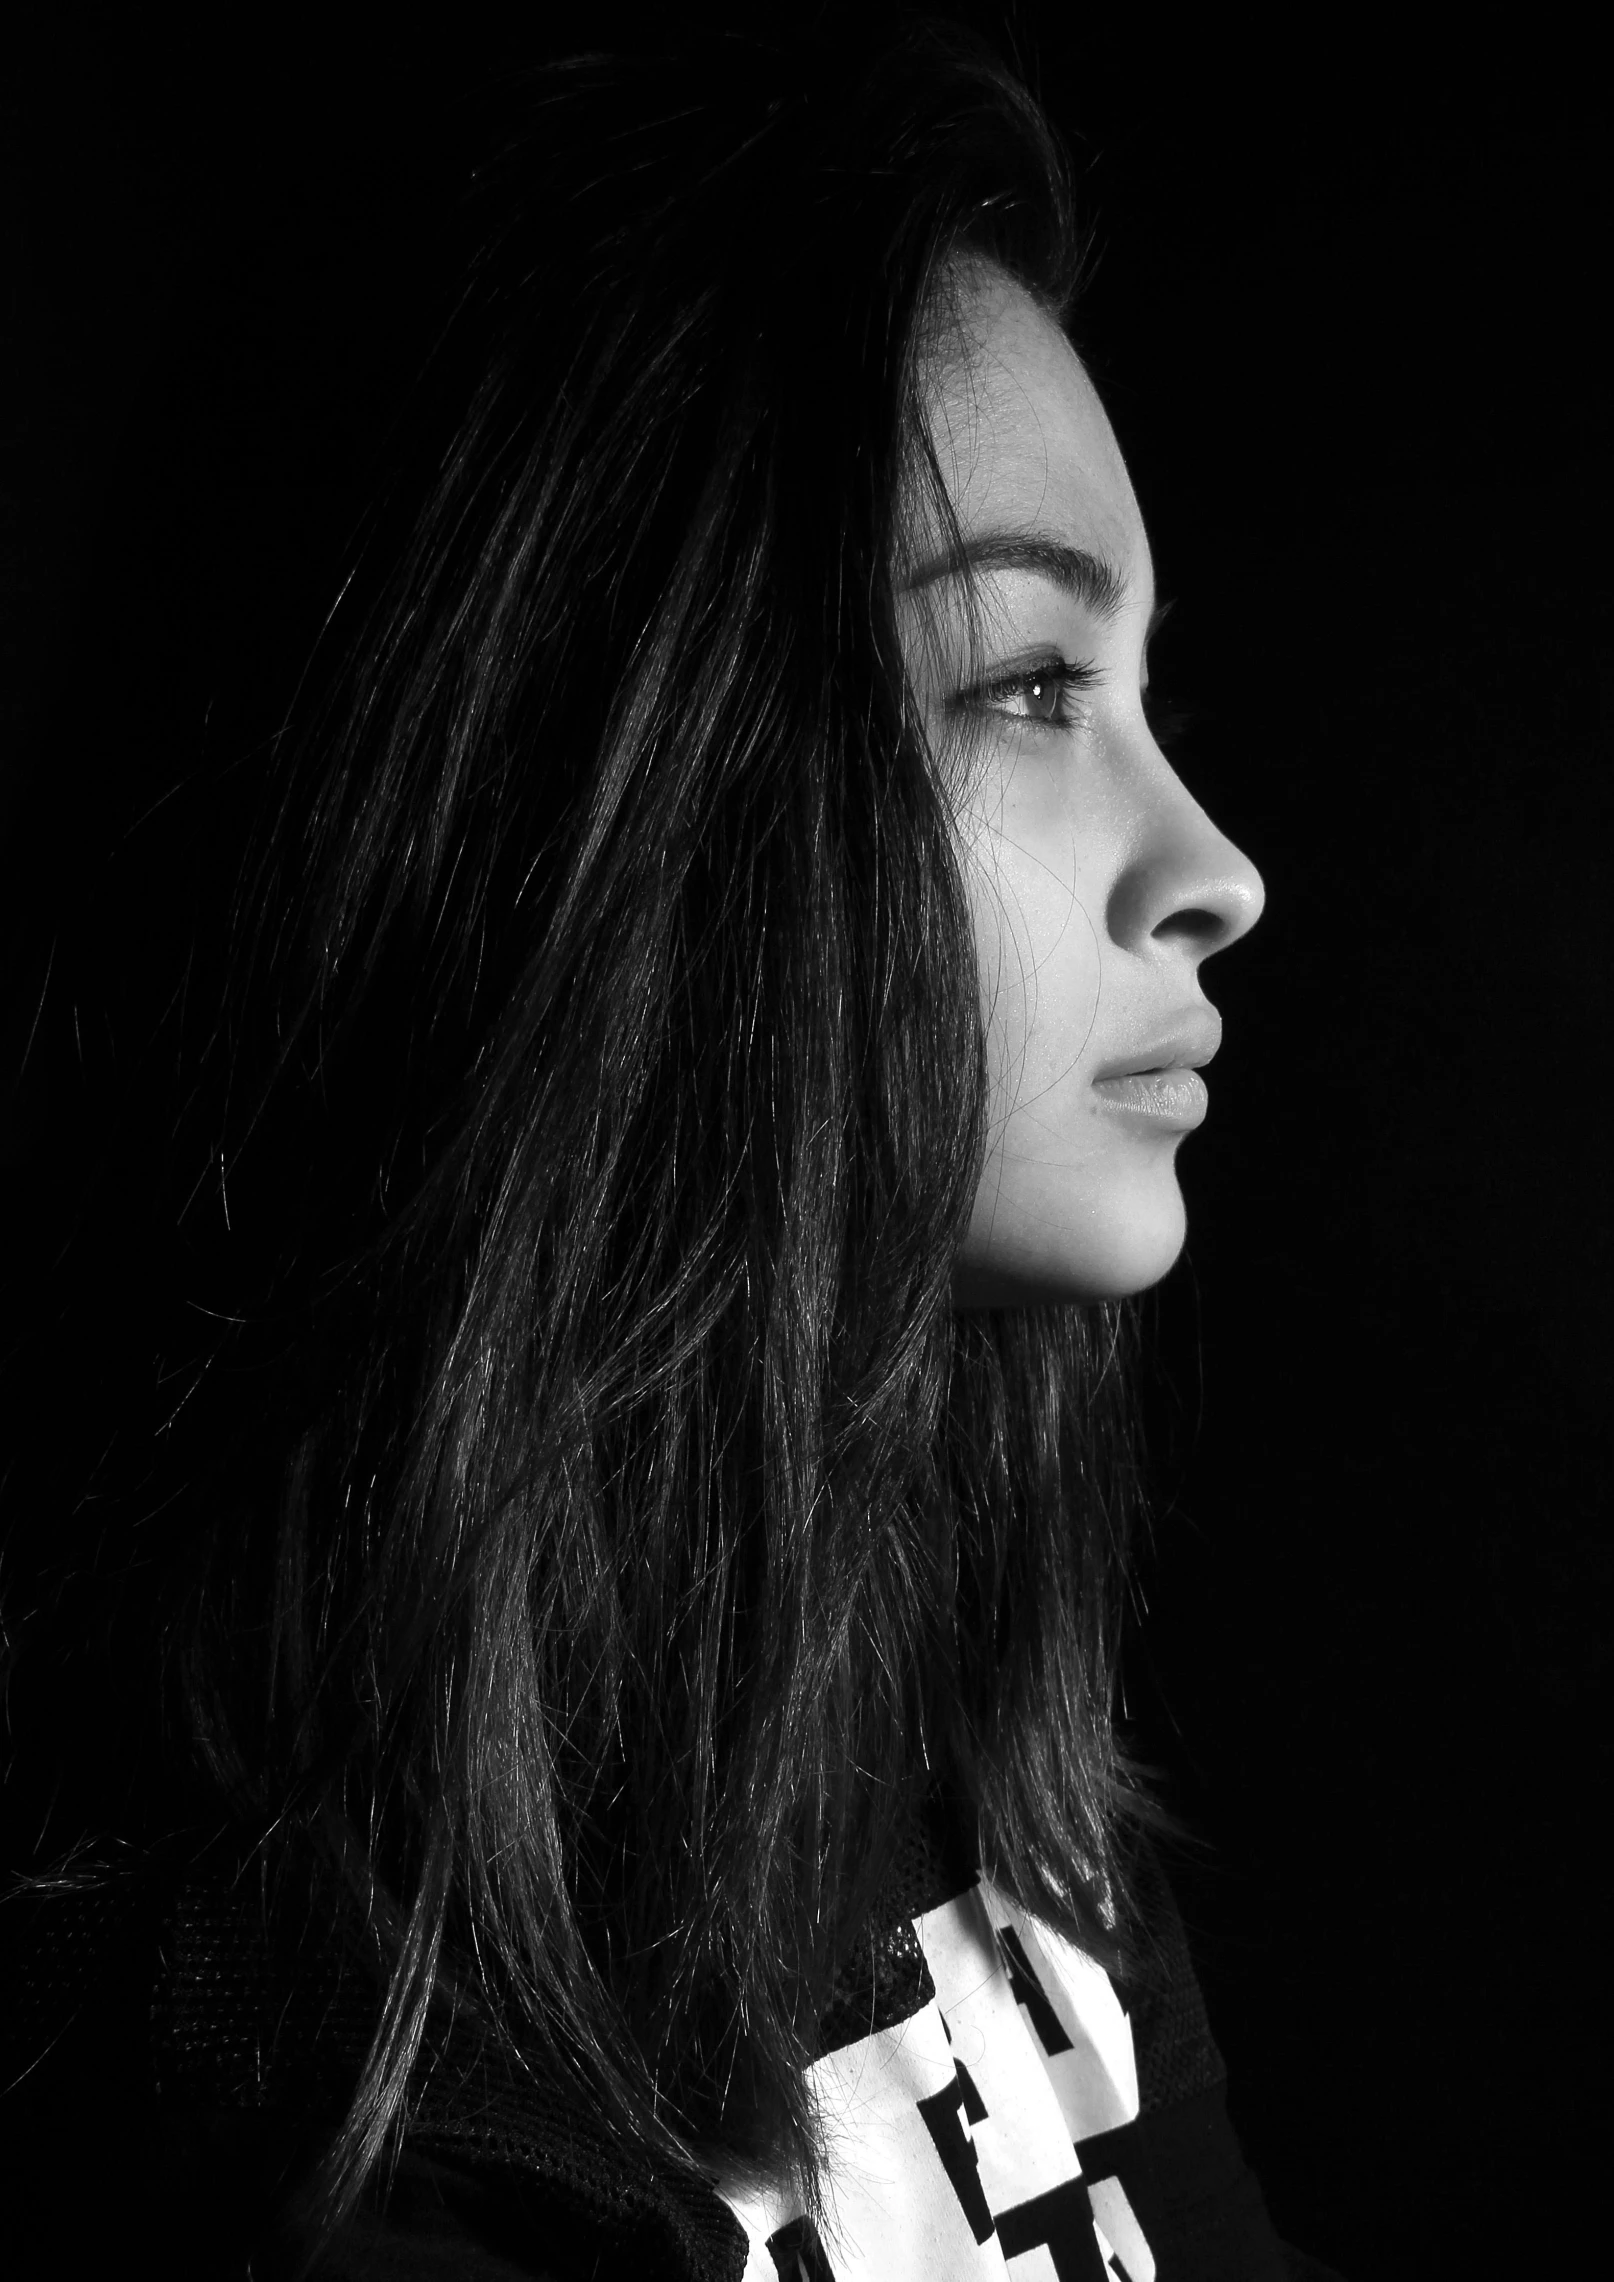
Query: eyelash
<point>1167,721</point>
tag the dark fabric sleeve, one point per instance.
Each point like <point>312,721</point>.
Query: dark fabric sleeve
<point>1199,2203</point>
<point>148,2121</point>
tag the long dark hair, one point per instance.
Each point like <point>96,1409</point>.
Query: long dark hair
<point>615,1530</point>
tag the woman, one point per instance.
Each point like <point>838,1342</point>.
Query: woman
<point>714,1012</point>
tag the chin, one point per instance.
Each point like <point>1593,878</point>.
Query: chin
<point>1044,1254</point>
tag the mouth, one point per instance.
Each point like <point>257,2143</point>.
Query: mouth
<point>1160,1083</point>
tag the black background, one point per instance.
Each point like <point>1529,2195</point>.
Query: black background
<point>1345,310</point>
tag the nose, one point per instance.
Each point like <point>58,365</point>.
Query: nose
<point>1185,887</point>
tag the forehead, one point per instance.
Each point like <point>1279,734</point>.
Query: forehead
<point>1019,431</point>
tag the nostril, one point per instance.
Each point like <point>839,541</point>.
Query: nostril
<point>1198,927</point>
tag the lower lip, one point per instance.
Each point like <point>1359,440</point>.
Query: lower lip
<point>1173,1099</point>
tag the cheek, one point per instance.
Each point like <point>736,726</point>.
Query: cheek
<point>1037,941</point>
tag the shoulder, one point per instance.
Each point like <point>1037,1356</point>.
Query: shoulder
<point>438,2219</point>
<point>161,2094</point>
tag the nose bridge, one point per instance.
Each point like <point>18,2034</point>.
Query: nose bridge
<point>1185,885</point>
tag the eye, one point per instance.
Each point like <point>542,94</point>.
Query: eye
<point>1042,693</point>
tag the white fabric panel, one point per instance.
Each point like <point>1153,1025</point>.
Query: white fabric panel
<point>958,2117</point>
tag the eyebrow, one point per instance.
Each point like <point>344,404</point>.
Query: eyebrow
<point>1087,578</point>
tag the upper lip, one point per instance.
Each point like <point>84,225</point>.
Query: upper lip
<point>1187,1045</point>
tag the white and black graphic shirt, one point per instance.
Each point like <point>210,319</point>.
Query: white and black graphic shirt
<point>984,2135</point>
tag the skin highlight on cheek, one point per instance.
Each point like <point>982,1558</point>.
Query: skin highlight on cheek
<point>1042,979</point>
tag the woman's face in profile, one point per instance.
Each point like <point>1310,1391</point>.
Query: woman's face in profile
<point>1098,885</point>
